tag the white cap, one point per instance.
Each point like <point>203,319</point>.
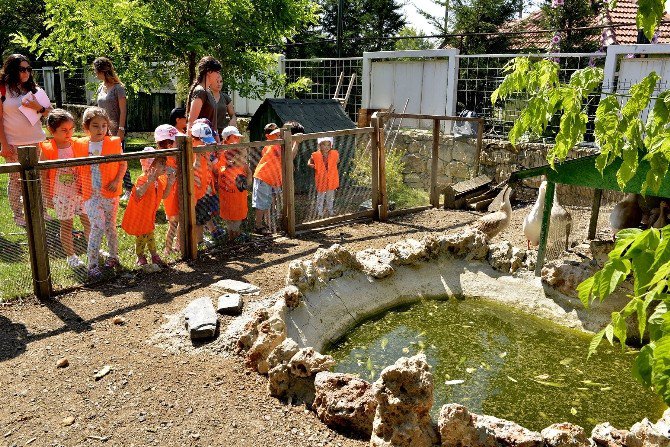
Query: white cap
<point>322,139</point>
<point>203,132</point>
<point>165,132</point>
<point>275,132</point>
<point>146,162</point>
<point>230,131</point>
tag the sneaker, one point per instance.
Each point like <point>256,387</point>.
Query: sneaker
<point>125,196</point>
<point>142,260</point>
<point>219,233</point>
<point>74,262</point>
<point>262,230</point>
<point>157,260</point>
<point>112,263</point>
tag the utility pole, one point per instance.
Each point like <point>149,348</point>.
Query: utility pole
<point>446,16</point>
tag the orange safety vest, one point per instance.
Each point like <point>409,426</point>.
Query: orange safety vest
<point>269,166</point>
<point>140,215</point>
<point>108,171</point>
<point>49,151</point>
<point>171,202</point>
<point>232,202</point>
<point>203,172</point>
<point>326,179</point>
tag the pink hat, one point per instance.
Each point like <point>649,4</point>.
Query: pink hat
<point>146,162</point>
<point>165,132</point>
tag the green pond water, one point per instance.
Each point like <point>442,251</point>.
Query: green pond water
<point>504,363</point>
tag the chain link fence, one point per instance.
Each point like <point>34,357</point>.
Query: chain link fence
<point>324,75</point>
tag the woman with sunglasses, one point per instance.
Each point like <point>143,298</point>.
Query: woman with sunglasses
<point>18,88</point>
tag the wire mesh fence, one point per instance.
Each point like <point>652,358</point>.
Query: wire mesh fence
<point>480,75</point>
<point>15,273</point>
<point>324,75</point>
<point>332,179</point>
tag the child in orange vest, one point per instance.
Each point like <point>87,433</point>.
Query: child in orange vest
<point>101,187</point>
<point>267,182</point>
<point>202,177</point>
<point>165,136</point>
<point>326,177</point>
<point>61,188</point>
<point>139,219</point>
<point>234,178</point>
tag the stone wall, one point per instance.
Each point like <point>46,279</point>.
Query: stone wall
<point>498,160</point>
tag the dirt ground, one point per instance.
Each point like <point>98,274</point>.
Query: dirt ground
<point>155,397</point>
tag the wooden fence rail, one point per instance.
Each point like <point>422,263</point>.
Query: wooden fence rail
<point>30,165</point>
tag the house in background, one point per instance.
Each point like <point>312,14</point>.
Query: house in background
<point>619,28</point>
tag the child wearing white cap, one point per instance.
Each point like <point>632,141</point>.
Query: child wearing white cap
<point>326,176</point>
<point>139,220</point>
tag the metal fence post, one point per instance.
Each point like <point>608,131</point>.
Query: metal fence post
<point>31,190</point>
<point>374,151</point>
<point>434,193</point>
<point>288,185</point>
<point>544,231</point>
<point>189,245</point>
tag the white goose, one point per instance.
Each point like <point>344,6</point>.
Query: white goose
<point>626,214</point>
<point>560,221</point>
<point>494,223</point>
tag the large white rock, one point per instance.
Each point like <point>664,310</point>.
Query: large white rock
<point>343,401</point>
<point>565,434</point>
<point>376,262</point>
<point>404,394</point>
<point>201,320</point>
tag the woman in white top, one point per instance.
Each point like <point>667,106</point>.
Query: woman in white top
<point>16,83</point>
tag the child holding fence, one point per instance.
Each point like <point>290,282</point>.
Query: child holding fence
<point>101,187</point>
<point>267,181</point>
<point>326,177</point>
<point>61,186</point>
<point>234,179</point>
<point>202,177</point>
<point>165,136</point>
<point>139,220</point>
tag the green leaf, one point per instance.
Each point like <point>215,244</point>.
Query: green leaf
<point>642,365</point>
<point>585,290</point>
<point>649,15</point>
<point>609,333</point>
<point>595,342</point>
<point>660,368</point>
<point>640,95</point>
<point>655,321</point>
<point>620,328</point>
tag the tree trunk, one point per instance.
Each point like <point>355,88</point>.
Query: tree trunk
<point>191,67</point>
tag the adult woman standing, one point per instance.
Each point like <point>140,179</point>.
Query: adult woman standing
<point>111,96</point>
<point>201,103</point>
<point>17,88</point>
<point>225,111</point>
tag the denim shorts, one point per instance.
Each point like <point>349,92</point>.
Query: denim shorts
<point>205,208</point>
<point>261,198</point>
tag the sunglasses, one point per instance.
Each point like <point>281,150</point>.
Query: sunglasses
<point>25,69</point>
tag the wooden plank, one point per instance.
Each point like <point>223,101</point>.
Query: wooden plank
<point>374,150</point>
<point>544,232</point>
<point>222,147</point>
<point>187,211</point>
<point>434,193</point>
<point>31,189</point>
<point>10,168</point>
<point>383,193</point>
<point>334,220</point>
<point>333,133</point>
<point>595,211</point>
<point>455,195</point>
<point>97,159</point>
<point>288,183</point>
<point>480,142</point>
<point>421,116</point>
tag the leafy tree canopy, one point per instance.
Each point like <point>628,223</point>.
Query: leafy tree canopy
<point>19,16</point>
<point>573,14</point>
<point>148,39</point>
<point>412,44</point>
<point>366,25</point>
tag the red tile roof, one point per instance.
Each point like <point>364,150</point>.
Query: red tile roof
<point>624,14</point>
